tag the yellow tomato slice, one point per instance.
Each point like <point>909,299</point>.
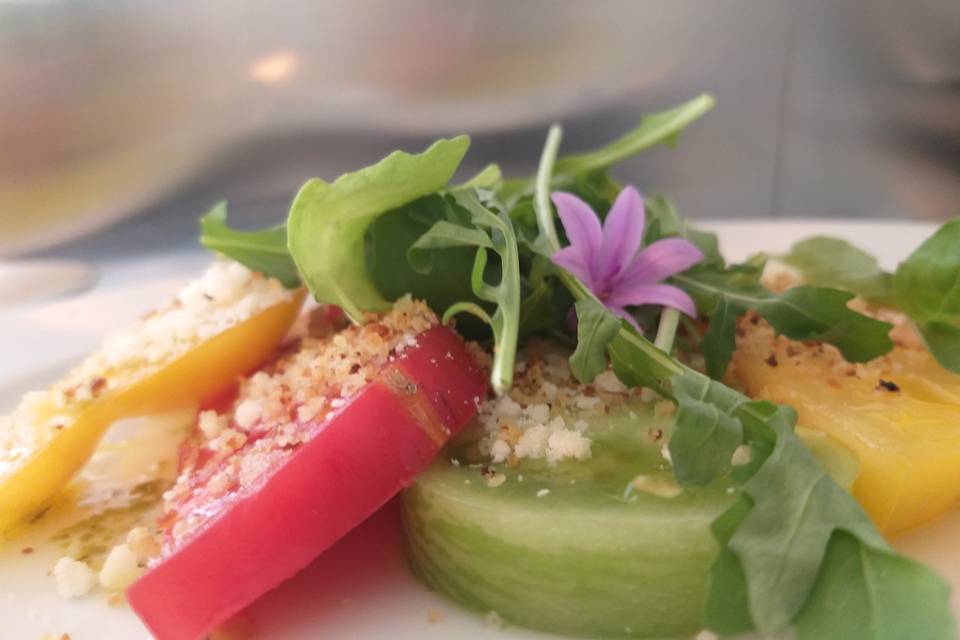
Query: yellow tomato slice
<point>900,414</point>
<point>54,433</point>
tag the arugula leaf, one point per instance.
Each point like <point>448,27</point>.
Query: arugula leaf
<point>328,221</point>
<point>494,231</point>
<point>777,556</point>
<point>663,127</point>
<point>928,290</point>
<point>801,313</point>
<point>584,172</point>
<point>596,327</point>
<point>490,177</point>
<point>264,251</point>
<point>443,235</point>
<point>868,593</point>
<point>832,262</point>
<point>781,535</point>
<point>543,307</point>
<point>447,279</point>
<point>706,434</point>
<point>663,221</point>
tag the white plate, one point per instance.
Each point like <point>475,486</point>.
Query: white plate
<point>360,588</point>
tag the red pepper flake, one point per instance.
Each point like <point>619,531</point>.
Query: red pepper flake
<point>772,360</point>
<point>97,385</point>
<point>888,385</point>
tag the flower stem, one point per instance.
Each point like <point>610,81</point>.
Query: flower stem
<point>541,196</point>
<point>667,330</point>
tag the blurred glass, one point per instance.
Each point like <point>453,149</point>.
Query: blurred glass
<point>824,108</point>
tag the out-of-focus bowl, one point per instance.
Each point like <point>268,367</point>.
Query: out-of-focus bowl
<point>105,105</point>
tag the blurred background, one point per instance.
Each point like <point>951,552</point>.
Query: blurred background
<point>121,122</point>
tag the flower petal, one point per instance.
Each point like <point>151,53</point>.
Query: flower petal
<point>572,259</point>
<point>660,260</point>
<point>626,315</point>
<point>622,235</point>
<point>581,224</point>
<point>661,294</point>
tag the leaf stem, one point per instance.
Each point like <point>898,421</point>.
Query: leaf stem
<point>667,331</point>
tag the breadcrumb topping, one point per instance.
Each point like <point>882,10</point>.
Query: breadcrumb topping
<point>281,407</point>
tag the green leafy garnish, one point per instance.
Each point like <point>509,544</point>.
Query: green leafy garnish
<point>264,251</point>
<point>657,128</point>
<point>779,541</point>
<point>832,262</point>
<point>795,535</point>
<point>862,592</point>
<point>928,290</point>
<point>328,221</point>
<point>596,327</point>
<point>442,276</point>
<point>800,313</point>
<point>706,434</point>
<point>489,231</point>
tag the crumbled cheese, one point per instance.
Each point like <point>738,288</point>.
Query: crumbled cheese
<point>500,451</point>
<point>526,422</point>
<point>247,413</point>
<point>211,424</point>
<point>662,486</point>
<point>121,568</point>
<point>143,544</point>
<point>542,492</point>
<point>506,407</point>
<point>588,402</point>
<point>496,480</point>
<point>74,578</point>
<point>741,455</point>
<point>493,620</point>
<point>533,443</point>
<point>609,382</point>
<point>564,443</point>
<point>537,413</point>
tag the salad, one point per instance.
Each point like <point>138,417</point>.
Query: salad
<point>598,426</point>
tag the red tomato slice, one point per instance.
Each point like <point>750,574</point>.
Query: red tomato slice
<point>352,461</point>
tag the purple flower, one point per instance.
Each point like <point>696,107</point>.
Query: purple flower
<point>610,262</point>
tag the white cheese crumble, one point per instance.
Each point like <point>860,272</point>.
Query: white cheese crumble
<point>543,492</point>
<point>662,486</point>
<point>529,421</point>
<point>741,455</point>
<point>74,578</point>
<point>564,443</point>
<point>121,568</point>
<point>493,620</point>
